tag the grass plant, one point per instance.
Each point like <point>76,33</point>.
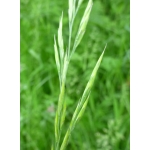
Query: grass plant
<point>63,58</point>
<point>105,124</point>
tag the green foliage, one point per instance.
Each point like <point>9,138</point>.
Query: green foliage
<point>105,123</point>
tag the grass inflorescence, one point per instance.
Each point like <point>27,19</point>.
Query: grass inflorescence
<point>63,58</point>
<point>106,121</point>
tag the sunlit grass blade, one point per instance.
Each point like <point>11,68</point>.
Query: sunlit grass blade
<point>60,38</point>
<point>57,58</point>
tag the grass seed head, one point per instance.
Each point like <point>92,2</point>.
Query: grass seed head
<point>62,61</point>
<point>83,24</point>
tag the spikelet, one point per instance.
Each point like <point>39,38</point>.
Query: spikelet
<point>71,10</point>
<point>83,24</point>
<point>57,57</point>
<point>60,38</point>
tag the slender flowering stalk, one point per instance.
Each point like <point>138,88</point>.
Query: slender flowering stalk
<point>62,58</point>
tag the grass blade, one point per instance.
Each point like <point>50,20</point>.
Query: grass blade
<point>57,58</point>
<point>60,38</point>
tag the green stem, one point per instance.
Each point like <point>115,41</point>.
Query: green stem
<point>61,101</point>
<point>58,115</point>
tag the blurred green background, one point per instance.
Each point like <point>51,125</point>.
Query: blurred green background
<point>106,122</point>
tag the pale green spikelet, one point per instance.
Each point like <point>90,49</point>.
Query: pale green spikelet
<point>57,57</point>
<point>60,38</point>
<point>71,10</point>
<point>83,24</point>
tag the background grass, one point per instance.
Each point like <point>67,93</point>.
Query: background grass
<point>106,122</point>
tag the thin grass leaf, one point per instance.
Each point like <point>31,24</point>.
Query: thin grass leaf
<point>60,38</point>
<point>83,24</point>
<point>57,57</point>
<point>71,10</point>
